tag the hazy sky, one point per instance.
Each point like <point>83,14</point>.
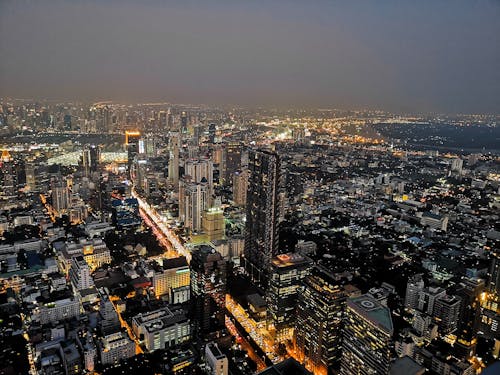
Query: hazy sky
<point>401,55</point>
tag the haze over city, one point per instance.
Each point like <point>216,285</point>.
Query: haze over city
<point>255,187</point>
<point>402,56</point>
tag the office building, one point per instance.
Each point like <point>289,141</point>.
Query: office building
<point>240,187</point>
<point>317,335</point>
<point>171,276</point>
<point>213,223</point>
<point>193,201</point>
<point>212,129</point>
<point>366,337</point>
<point>447,312</point>
<point>208,291</point>
<point>53,312</point>
<point>173,161</point>
<point>115,347</point>
<point>233,152</point>
<point>215,360</point>
<point>60,198</point>
<point>162,329</point>
<point>200,171</point>
<point>287,273</point>
<point>132,144</point>
<point>262,211</point>
<point>91,157</point>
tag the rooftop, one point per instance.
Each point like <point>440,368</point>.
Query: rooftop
<point>372,310</point>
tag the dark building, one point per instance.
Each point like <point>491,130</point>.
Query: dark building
<point>262,212</point>
<point>287,273</point>
<point>233,161</point>
<point>366,337</point>
<point>317,334</point>
<point>184,122</point>
<point>67,122</point>
<point>208,292</point>
<point>90,158</point>
<point>125,213</point>
<point>132,142</point>
<point>469,291</point>
<point>288,367</point>
<point>294,185</point>
<point>212,129</point>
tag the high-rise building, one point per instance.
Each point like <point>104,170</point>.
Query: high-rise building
<point>200,171</point>
<point>317,334</point>
<point>413,288</point>
<point>469,291</point>
<point>208,292</point>
<point>171,276</point>
<point>108,317</point>
<point>173,161</point>
<point>132,143</point>
<point>494,279</point>
<point>446,313</point>
<point>184,122</point>
<point>287,273</point>
<point>366,337</point>
<point>240,187</point>
<point>262,210</point>
<point>163,121</point>
<point>212,129</point>
<point>60,197</point>
<point>213,223</point>
<point>233,161</point>
<point>91,158</point>
<point>194,201</point>
<point>79,274</point>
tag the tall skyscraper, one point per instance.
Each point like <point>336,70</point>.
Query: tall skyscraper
<point>192,204</point>
<point>212,129</point>
<point>200,171</point>
<point>262,210</point>
<point>208,292</point>
<point>366,337</point>
<point>317,334</point>
<point>233,161</point>
<point>132,143</point>
<point>184,122</point>
<point>91,158</point>
<point>173,161</point>
<point>287,273</point>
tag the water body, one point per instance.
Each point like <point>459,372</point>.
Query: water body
<point>446,137</point>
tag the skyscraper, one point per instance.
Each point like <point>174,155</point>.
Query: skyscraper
<point>317,334</point>
<point>366,336</point>
<point>233,161</point>
<point>91,158</point>
<point>212,129</point>
<point>287,273</point>
<point>132,144</point>
<point>262,209</point>
<point>195,200</point>
<point>173,161</point>
<point>208,292</point>
<point>184,122</point>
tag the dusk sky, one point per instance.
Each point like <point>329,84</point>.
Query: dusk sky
<point>396,55</point>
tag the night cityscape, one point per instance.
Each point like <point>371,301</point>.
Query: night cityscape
<point>294,224</point>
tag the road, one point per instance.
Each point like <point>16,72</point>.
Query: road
<point>161,223</point>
